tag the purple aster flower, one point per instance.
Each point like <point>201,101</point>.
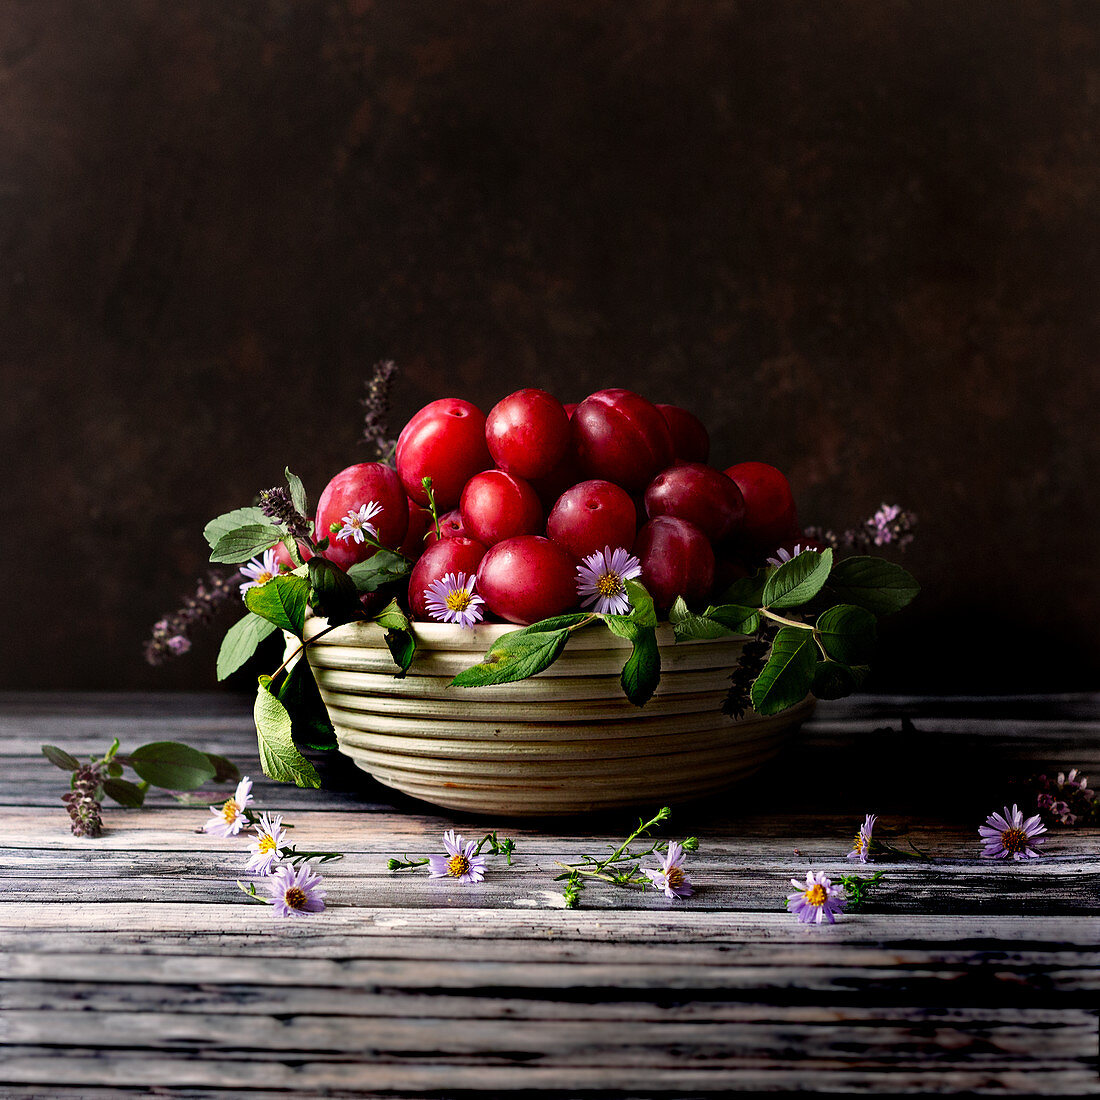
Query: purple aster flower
<point>1008,834</point>
<point>295,890</point>
<point>358,520</point>
<point>670,876</point>
<point>460,862</point>
<point>452,600</point>
<point>783,555</point>
<point>861,845</point>
<point>270,838</point>
<point>602,578</point>
<point>229,817</point>
<point>817,899</point>
<point>259,570</point>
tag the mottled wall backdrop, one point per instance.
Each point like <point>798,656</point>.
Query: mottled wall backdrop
<point>859,238</point>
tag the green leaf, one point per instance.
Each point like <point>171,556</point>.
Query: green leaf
<point>310,725</point>
<point>786,678</point>
<point>847,633</point>
<point>558,622</point>
<point>833,680</point>
<point>333,593</point>
<point>402,647</point>
<point>515,656</point>
<point>225,771</point>
<point>297,492</point>
<point>279,756</point>
<point>641,603</point>
<point>678,611</point>
<point>230,521</point>
<point>242,640</point>
<point>64,760</point>
<point>748,591</point>
<point>243,543</point>
<point>171,765</point>
<point>799,579</point>
<point>880,587</point>
<point>622,626</point>
<point>382,567</point>
<point>291,547</point>
<point>124,792</point>
<point>281,601</point>
<point>642,672</point>
<point>716,622</point>
<point>740,620</point>
<point>391,617</point>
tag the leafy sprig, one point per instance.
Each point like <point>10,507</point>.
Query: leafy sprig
<point>170,765</point>
<point>498,846</point>
<point>857,888</point>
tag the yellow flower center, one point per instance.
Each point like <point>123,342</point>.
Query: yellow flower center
<point>458,600</point>
<point>1014,840</point>
<point>295,897</point>
<point>858,843</point>
<point>815,895</point>
<point>230,810</point>
<point>674,877</point>
<point>267,843</point>
<point>458,865</point>
<point>264,577</point>
<point>609,584</point>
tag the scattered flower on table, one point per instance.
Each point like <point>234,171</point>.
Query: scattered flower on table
<point>1066,799</point>
<point>453,600</point>
<point>1008,834</point>
<point>602,577</point>
<point>817,899</point>
<point>783,555</point>
<point>356,524</point>
<point>460,862</point>
<point>270,839</point>
<point>295,891</point>
<point>670,876</point>
<point>259,571</point>
<point>230,817</point>
<point>861,845</point>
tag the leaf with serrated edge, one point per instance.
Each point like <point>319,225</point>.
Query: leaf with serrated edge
<point>879,586</point>
<point>279,756</point>
<point>382,567</point>
<point>244,543</point>
<point>747,591</point>
<point>281,601</point>
<point>391,617</point>
<point>788,674</point>
<point>297,492</point>
<point>641,604</point>
<point>241,641</point>
<point>847,633</point>
<point>799,579</point>
<point>230,521</point>
<point>642,672</point>
<point>514,657</point>
<point>171,765</point>
<point>333,593</point>
<point>64,760</point>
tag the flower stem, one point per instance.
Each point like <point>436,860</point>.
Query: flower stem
<point>784,621</point>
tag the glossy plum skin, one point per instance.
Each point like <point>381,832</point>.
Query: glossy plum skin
<point>700,494</point>
<point>528,578</point>
<point>420,519</point>
<point>348,491</point>
<point>621,437</point>
<point>454,555</point>
<point>592,515</point>
<point>497,506</point>
<point>770,515</point>
<point>690,438</point>
<point>282,557</point>
<point>676,559</point>
<point>445,441</point>
<point>450,526</point>
<point>527,433</point>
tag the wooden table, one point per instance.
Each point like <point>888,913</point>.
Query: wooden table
<point>132,965</point>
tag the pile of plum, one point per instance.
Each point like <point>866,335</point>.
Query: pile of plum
<point>527,492</point>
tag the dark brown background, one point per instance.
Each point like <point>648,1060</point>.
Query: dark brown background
<point>858,238</point>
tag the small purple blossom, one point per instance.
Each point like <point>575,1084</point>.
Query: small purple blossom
<point>1008,834</point>
<point>357,521</point>
<point>861,845</point>
<point>670,876</point>
<point>295,891</point>
<point>259,570</point>
<point>783,555</point>
<point>601,580</point>
<point>270,838</point>
<point>178,644</point>
<point>229,818</point>
<point>460,862</point>
<point>452,600</point>
<point>1066,799</point>
<point>817,899</point>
